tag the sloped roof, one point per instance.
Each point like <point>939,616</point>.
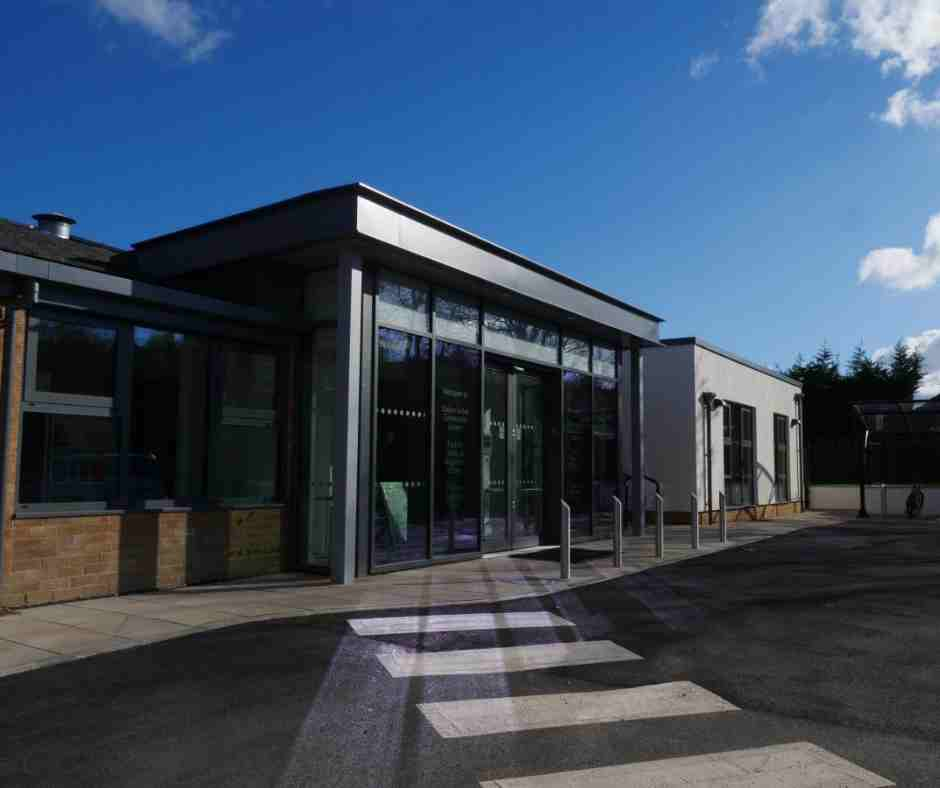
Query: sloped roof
<point>26,240</point>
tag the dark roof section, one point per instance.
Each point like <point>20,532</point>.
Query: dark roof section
<point>364,190</point>
<point>23,239</point>
<point>731,357</point>
<point>909,416</point>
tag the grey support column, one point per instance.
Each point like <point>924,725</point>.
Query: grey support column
<point>346,473</point>
<point>637,438</point>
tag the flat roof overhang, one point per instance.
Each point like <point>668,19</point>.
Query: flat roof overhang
<point>416,240</point>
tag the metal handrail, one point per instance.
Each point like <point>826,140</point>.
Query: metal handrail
<point>627,478</point>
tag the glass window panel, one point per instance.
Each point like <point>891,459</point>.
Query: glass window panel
<point>781,457</point>
<point>456,317</point>
<point>68,459</point>
<point>512,334</point>
<point>402,443</point>
<point>605,454</point>
<point>739,454</point>
<point>605,361</point>
<point>168,417</point>
<point>578,450</point>
<point>527,465</point>
<point>576,353</point>
<point>244,443</point>
<point>403,302</point>
<point>322,433</point>
<point>457,451</point>
<point>495,460</point>
<point>74,358</point>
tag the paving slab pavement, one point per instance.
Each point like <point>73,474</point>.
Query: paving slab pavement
<point>40,636</point>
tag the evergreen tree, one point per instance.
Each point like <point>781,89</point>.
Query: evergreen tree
<point>906,372</point>
<point>867,379</point>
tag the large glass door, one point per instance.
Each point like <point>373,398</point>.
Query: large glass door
<point>513,459</point>
<point>527,460</point>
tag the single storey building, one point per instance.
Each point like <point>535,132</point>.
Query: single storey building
<point>339,382</point>
<point>717,423</point>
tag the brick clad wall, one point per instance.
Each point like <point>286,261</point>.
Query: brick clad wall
<point>58,559</point>
<point>11,443</point>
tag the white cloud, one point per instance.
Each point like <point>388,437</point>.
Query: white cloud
<point>174,22</point>
<point>928,345</point>
<point>899,268</point>
<point>902,35</point>
<point>904,32</point>
<point>701,65</point>
<point>907,106</point>
<point>793,24</point>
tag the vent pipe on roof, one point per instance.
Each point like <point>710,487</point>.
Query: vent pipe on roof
<point>56,224</point>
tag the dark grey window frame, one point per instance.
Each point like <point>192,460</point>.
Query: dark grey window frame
<point>729,406</point>
<point>118,406</point>
<point>786,464</point>
<point>375,272</point>
<point>63,404</point>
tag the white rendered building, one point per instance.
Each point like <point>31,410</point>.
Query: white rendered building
<point>719,424</point>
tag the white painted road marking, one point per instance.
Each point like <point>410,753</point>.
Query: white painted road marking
<point>799,765</point>
<point>452,719</point>
<point>503,660</point>
<point>462,622</point>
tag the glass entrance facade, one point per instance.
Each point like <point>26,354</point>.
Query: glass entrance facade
<point>465,418</point>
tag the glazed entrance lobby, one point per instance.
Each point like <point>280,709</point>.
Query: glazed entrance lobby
<point>406,393</point>
<point>451,393</point>
<point>469,434</point>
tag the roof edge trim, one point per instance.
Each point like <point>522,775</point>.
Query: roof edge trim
<point>677,341</point>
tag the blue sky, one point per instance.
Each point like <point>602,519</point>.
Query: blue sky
<point>761,174</point>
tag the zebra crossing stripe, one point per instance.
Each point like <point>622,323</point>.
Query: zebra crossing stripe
<point>797,765</point>
<point>454,719</point>
<point>503,660</point>
<point>463,622</point>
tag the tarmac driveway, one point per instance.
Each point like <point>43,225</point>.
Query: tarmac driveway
<point>827,635</point>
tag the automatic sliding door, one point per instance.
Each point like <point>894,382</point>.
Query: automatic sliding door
<point>495,460</point>
<point>527,460</point>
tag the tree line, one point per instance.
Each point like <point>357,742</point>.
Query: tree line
<point>830,426</point>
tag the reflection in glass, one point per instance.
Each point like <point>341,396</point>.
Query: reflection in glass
<point>403,302</point>
<point>68,459</point>
<point>243,454</point>
<point>495,460</point>
<point>402,443</point>
<point>168,417</point>
<point>74,359</point>
<point>576,353</point>
<point>322,430</point>
<point>456,317</point>
<point>509,333</point>
<point>320,299</point>
<point>578,450</point>
<point>605,361</point>
<point>605,454</point>
<point>782,458</point>
<point>528,464</point>
<point>739,454</point>
<point>457,450</point>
